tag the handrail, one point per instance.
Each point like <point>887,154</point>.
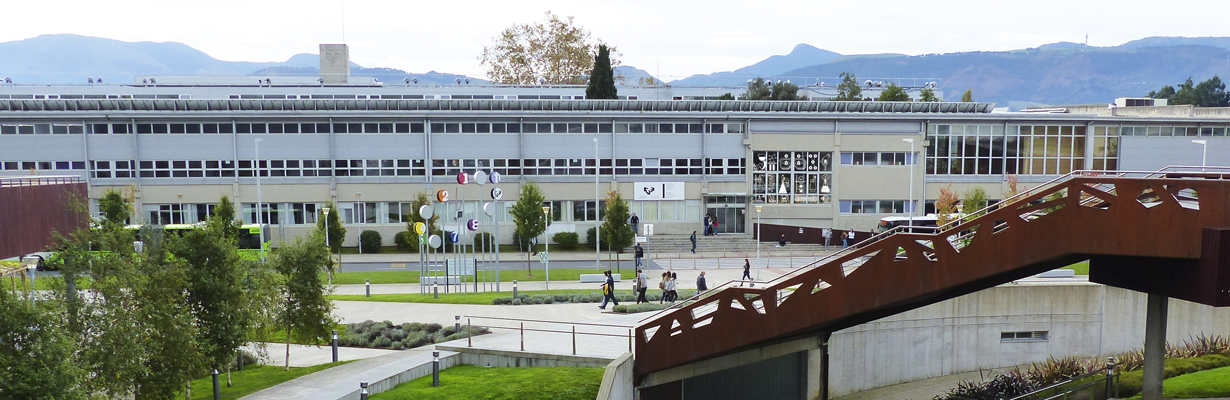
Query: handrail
<point>1108,368</point>
<point>958,223</point>
<point>630,329</point>
<point>546,321</point>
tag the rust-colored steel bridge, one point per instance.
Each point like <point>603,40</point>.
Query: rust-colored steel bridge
<point>1152,232</point>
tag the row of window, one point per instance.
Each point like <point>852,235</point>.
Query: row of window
<point>1171,130</point>
<point>394,167</point>
<point>41,165</point>
<point>792,161</point>
<point>872,206</point>
<point>872,158</point>
<point>359,213</point>
<point>1026,149</point>
<point>368,127</point>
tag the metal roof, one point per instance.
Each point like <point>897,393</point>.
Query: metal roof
<point>497,105</point>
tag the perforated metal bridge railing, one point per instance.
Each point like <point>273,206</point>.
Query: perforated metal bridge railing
<point>1157,216</point>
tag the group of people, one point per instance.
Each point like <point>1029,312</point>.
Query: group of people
<point>711,226</point>
<point>668,285</point>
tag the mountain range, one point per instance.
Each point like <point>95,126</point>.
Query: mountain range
<point>1056,73</point>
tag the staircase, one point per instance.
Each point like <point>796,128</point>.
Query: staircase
<point>1140,230</point>
<point>728,243</point>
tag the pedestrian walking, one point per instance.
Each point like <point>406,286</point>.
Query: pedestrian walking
<point>693,238</point>
<point>608,291</point>
<point>671,293</point>
<point>666,276</point>
<point>642,283</point>
<point>636,222</point>
<point>781,241</point>
<point>747,272</point>
<point>640,253</point>
<point>827,233</point>
<point>849,238</point>
<point>700,283</point>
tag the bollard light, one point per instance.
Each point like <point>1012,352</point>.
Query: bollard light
<point>435,369</point>
<point>367,285</point>
<point>363,391</point>
<point>514,289</point>
<point>435,288</point>
<point>335,345</point>
<point>457,324</point>
<point>217,390</point>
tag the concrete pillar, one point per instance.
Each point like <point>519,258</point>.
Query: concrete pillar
<point>1155,346</point>
<point>817,371</point>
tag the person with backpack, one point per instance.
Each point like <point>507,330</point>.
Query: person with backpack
<point>642,283</point>
<point>640,254</point>
<point>608,290</point>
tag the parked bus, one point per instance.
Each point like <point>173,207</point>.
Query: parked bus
<point>249,243</point>
<point>923,224</point>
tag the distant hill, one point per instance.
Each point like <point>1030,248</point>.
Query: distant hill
<point>803,55</point>
<point>1167,41</point>
<point>72,58</point>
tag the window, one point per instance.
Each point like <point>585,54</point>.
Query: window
<point>271,214</point>
<point>586,210</point>
<point>872,206</point>
<point>792,177</point>
<point>359,212</point>
<point>304,213</point>
<point>865,158</point>
<point>399,211</point>
<point>1024,336</point>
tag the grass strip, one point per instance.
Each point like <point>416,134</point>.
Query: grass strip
<point>411,275</point>
<point>1212,383</point>
<point>529,383</point>
<point>252,379</point>
<point>484,298</point>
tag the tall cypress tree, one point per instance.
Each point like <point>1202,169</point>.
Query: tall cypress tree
<point>602,79</point>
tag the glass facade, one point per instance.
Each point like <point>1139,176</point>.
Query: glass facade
<point>984,149</point>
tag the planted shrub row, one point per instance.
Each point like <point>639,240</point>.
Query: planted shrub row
<point>386,335</point>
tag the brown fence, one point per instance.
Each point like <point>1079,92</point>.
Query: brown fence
<point>31,208</point>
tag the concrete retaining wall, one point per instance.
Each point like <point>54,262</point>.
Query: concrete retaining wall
<point>963,334</point>
<point>446,361</point>
<point>498,358</point>
<point>618,381</point>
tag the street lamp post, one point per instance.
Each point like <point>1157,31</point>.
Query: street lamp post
<point>324,211</point>
<point>260,212</point>
<point>1204,152</point>
<point>597,212</point>
<point>546,240</point>
<point>910,203</point>
<point>758,240</point>
<point>32,266</point>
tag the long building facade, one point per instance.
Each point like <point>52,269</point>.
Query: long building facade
<point>175,150</point>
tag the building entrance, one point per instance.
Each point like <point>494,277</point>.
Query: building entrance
<point>729,211</point>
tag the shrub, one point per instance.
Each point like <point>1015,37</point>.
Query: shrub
<point>406,241</point>
<point>643,307</point>
<point>432,328</point>
<point>589,239</point>
<point>369,242</point>
<point>484,240</point>
<point>516,302</point>
<point>248,358</point>
<point>566,240</point>
<point>382,342</point>
<point>523,243</point>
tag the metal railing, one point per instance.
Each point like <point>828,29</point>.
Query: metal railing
<point>572,331</point>
<point>38,180</point>
<point>1099,384</point>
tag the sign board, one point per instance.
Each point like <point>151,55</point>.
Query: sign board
<point>464,267</point>
<point>658,191</point>
<point>542,256</point>
<point>648,229</point>
<point>642,239</point>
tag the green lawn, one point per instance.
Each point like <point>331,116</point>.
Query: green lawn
<point>253,378</point>
<point>411,275</point>
<point>1210,383</point>
<point>454,298</point>
<point>1081,268</point>
<point>474,382</point>
<point>1204,384</point>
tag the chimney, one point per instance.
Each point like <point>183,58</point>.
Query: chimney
<point>334,63</point>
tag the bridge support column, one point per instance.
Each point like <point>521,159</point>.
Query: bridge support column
<point>1155,346</point>
<point>817,374</point>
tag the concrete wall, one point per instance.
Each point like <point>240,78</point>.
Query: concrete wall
<point>618,382</point>
<point>1143,153</point>
<point>963,334</point>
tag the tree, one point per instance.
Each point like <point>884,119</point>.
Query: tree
<point>337,232</point>
<point>553,51</point>
<point>215,284</point>
<point>945,205</point>
<point>649,81</point>
<point>848,89</point>
<point>306,314</point>
<point>37,353</point>
<point>726,96</point>
<point>602,79</point>
<point>893,93</point>
<point>761,89</point>
<point>114,209</point>
<point>1210,93</point>
<point>975,200</point>
<point>615,230</point>
<point>927,95</point>
<point>527,214</point>
<point>413,217</point>
<point>968,97</point>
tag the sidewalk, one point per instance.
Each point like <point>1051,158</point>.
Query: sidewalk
<point>588,255</point>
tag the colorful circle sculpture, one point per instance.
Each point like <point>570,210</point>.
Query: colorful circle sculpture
<point>442,196</point>
<point>496,193</point>
<point>420,227</point>
<point>472,224</point>
<point>463,179</point>
<point>480,178</point>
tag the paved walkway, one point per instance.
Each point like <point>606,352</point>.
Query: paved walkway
<point>306,356</point>
<point>340,381</point>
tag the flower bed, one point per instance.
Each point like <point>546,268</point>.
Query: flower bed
<point>386,335</point>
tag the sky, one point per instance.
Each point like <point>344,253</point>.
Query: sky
<point>671,39</point>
